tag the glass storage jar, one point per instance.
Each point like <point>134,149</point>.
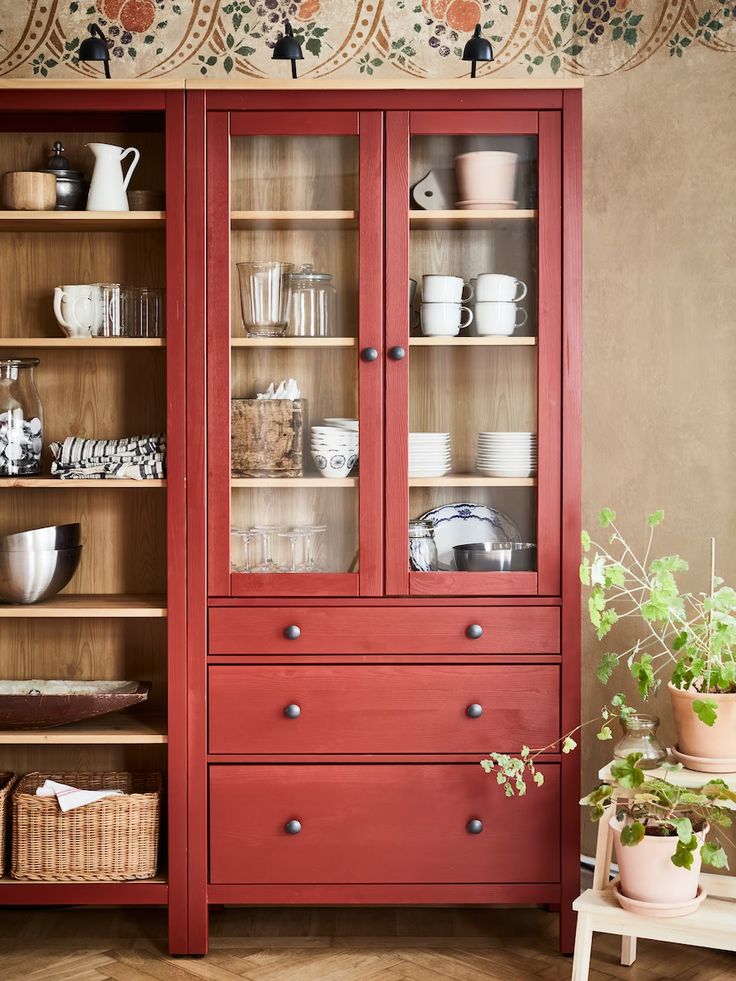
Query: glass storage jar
<point>313,304</point>
<point>640,736</point>
<point>21,418</point>
<point>422,547</point>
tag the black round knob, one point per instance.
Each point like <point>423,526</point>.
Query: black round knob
<point>292,711</point>
<point>397,353</point>
<point>474,711</point>
<point>369,354</point>
<point>292,632</point>
<point>474,827</point>
<point>474,631</point>
<point>293,827</point>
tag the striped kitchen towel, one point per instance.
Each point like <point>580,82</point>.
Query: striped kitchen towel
<point>130,457</point>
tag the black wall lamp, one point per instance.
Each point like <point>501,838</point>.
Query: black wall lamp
<point>287,48</point>
<point>94,48</point>
<point>477,49</point>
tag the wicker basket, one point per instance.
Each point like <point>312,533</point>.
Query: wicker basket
<point>6,785</point>
<point>113,839</point>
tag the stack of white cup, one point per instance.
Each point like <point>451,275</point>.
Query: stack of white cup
<point>442,310</point>
<point>495,308</point>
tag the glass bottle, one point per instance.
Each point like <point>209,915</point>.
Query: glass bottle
<point>21,418</point>
<point>312,309</point>
<point>640,736</point>
<point>422,547</point>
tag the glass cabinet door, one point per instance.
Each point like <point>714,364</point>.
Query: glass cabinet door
<point>473,368</point>
<point>295,264</point>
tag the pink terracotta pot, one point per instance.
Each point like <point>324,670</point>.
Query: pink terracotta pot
<point>646,870</point>
<point>694,737</point>
<point>486,175</point>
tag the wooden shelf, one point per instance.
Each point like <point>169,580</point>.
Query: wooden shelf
<point>443,220</point>
<point>472,480</point>
<point>293,482</point>
<point>115,729</point>
<point>140,892</point>
<point>37,483</point>
<point>281,342</point>
<point>64,342</point>
<point>114,605</point>
<point>89,221</point>
<point>472,341</point>
<point>288,220</point>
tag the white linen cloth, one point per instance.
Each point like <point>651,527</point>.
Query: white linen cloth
<point>70,798</point>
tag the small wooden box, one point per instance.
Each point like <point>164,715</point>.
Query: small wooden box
<point>267,437</point>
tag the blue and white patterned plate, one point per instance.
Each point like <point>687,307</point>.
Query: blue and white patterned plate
<point>462,524</point>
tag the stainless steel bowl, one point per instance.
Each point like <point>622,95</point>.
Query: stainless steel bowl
<point>29,577</point>
<point>53,537</point>
<point>495,557</point>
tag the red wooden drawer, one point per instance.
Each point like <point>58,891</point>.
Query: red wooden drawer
<point>382,708</point>
<point>385,629</point>
<point>379,823</point>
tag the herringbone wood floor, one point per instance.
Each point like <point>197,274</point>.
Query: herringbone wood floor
<point>326,945</point>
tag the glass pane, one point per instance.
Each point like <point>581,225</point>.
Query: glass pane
<point>473,365</point>
<point>294,312</point>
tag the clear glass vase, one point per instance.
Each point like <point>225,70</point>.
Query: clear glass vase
<point>640,736</point>
<point>21,419</point>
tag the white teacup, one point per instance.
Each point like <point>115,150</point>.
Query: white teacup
<point>444,289</point>
<point>75,309</point>
<point>498,318</point>
<point>500,289</point>
<point>444,319</point>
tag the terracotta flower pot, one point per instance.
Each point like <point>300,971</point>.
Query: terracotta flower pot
<point>695,738</point>
<point>486,175</point>
<point>646,870</point>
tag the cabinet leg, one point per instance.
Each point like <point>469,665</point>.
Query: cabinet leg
<point>583,942</point>
<point>628,951</point>
<point>568,922</point>
<point>198,925</point>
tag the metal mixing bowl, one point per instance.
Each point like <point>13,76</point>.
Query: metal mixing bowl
<point>29,577</point>
<point>50,538</point>
<point>495,557</point>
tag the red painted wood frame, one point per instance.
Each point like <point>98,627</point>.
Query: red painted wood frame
<point>367,128</point>
<point>546,126</point>
<point>161,111</point>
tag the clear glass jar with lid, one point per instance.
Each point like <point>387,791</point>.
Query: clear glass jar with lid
<point>21,418</point>
<point>422,547</point>
<point>313,304</point>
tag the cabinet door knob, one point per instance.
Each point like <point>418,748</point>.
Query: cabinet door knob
<point>293,711</point>
<point>293,827</point>
<point>397,353</point>
<point>474,711</point>
<point>474,827</point>
<point>369,354</point>
<point>292,632</point>
<point>474,631</point>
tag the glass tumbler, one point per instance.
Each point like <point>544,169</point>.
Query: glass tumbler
<point>141,312</point>
<point>640,736</point>
<point>21,418</point>
<point>312,309</point>
<point>265,290</point>
<point>106,320</point>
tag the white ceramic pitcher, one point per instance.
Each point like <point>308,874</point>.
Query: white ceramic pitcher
<point>108,187</point>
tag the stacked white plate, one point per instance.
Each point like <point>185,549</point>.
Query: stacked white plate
<point>429,454</point>
<point>507,454</point>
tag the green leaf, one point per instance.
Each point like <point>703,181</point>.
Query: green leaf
<point>573,50</point>
<point>132,52</point>
<point>211,60</point>
<point>683,857</point>
<point>643,673</point>
<point>585,572</point>
<point>51,63</point>
<point>617,33</point>
<point>376,62</point>
<point>314,45</point>
<point>228,64</point>
<point>630,36</point>
<point>230,41</point>
<point>713,854</point>
<point>604,734</point>
<point>538,60</point>
<point>564,21</point>
<point>606,666</point>
<point>503,9</point>
<point>237,21</point>
<point>606,517</point>
<point>555,64</point>
<point>655,518</point>
<point>627,772</point>
<point>634,19</point>
<point>569,744</point>
<point>684,828</point>
<point>585,540</point>
<point>557,40</point>
<point>706,710</point>
<point>632,834</point>
<point>245,51</point>
<point>418,28</point>
<point>149,39</point>
<point>539,779</point>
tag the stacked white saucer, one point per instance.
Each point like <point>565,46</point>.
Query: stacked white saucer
<point>429,454</point>
<point>507,454</point>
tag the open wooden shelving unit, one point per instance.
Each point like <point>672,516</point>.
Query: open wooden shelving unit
<point>60,343</point>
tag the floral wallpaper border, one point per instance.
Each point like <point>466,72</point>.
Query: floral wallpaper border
<point>417,38</point>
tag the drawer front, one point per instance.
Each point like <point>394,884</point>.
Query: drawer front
<point>382,708</point>
<point>385,629</point>
<point>369,823</point>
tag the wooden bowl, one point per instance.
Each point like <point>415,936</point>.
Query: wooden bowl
<point>28,190</point>
<point>42,704</point>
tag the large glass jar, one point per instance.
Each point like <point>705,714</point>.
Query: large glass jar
<point>21,418</point>
<point>422,547</point>
<point>640,736</point>
<point>312,310</point>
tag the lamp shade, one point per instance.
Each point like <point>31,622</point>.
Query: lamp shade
<point>287,48</point>
<point>94,48</point>
<point>477,49</point>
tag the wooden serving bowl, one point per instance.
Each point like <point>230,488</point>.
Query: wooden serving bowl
<point>41,704</point>
<point>28,190</point>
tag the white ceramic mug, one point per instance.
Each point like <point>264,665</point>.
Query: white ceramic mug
<point>498,318</point>
<point>444,289</point>
<point>74,309</point>
<point>499,288</point>
<point>444,319</point>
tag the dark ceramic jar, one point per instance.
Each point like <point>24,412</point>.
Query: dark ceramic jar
<point>71,186</point>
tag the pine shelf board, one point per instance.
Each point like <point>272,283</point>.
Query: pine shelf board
<point>326,482</point>
<point>288,220</point>
<point>471,480</point>
<point>87,342</point>
<point>38,483</point>
<point>282,342</point>
<point>115,729</point>
<point>91,221</point>
<point>495,341</point>
<point>444,220</point>
<point>89,605</point>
